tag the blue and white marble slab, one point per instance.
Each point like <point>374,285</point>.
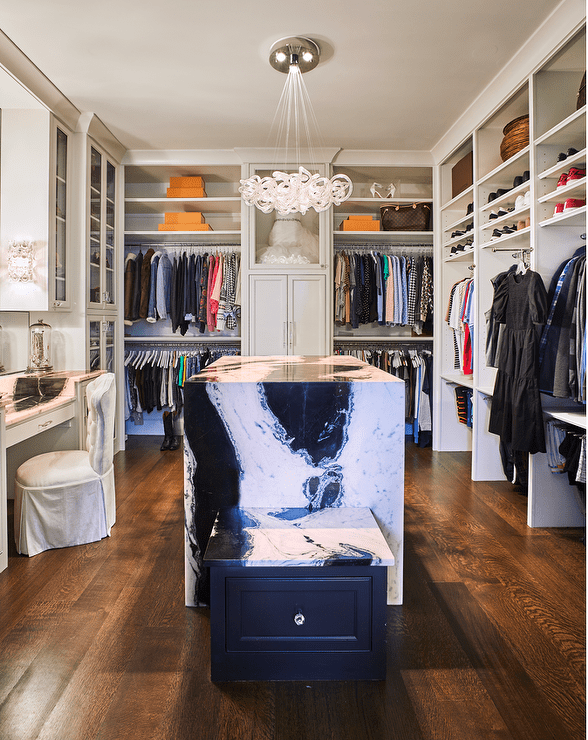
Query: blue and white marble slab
<point>296,537</point>
<point>292,432</point>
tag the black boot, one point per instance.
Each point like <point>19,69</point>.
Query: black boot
<point>166,430</point>
<point>170,441</point>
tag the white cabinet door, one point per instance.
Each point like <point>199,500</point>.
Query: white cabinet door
<point>307,326</point>
<point>287,315</point>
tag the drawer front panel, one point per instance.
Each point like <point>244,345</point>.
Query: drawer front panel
<point>299,614</point>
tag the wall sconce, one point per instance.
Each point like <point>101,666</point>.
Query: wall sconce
<point>21,261</point>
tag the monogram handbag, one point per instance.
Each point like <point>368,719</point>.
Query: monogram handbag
<point>406,217</point>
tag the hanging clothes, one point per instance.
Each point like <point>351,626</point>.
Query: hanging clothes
<point>187,288</point>
<point>520,304</point>
<point>390,289</point>
<point>562,353</point>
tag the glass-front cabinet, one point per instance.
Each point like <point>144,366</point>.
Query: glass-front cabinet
<point>101,344</point>
<point>101,236</point>
<point>58,282</point>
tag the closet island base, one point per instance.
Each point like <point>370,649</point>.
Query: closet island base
<point>292,432</point>
<point>297,595</point>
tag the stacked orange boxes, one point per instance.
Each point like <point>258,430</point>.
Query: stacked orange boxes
<point>360,223</point>
<point>185,187</point>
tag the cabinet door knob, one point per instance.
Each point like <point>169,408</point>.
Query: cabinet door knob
<point>299,619</point>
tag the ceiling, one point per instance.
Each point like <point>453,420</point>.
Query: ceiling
<point>195,75</point>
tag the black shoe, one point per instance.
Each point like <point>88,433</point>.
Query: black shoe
<point>491,197</point>
<point>457,233</point>
<point>470,209</point>
<point>496,234</point>
<point>517,181</point>
<point>526,176</point>
<point>492,215</point>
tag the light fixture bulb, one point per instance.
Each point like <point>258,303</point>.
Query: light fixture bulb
<point>295,192</point>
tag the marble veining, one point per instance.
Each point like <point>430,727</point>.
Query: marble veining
<point>296,537</point>
<point>24,395</point>
<point>316,433</point>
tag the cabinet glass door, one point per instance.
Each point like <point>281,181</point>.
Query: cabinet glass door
<point>94,346</point>
<point>108,337</point>
<point>109,235</point>
<point>95,238</point>
<point>60,287</point>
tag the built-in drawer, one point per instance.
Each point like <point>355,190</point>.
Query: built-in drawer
<point>16,433</point>
<point>318,613</point>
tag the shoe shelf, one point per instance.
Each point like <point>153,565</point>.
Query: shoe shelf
<point>553,172</point>
<point>517,240</point>
<point>571,131</point>
<point>466,255</point>
<point>505,173</point>
<point>496,223</point>
<point>572,217</point>
<point>568,191</point>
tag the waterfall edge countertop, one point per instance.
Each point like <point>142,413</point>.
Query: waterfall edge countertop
<point>296,537</point>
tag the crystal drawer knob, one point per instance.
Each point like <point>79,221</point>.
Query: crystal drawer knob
<point>299,619</point>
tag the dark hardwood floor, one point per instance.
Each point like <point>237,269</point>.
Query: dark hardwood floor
<point>95,641</point>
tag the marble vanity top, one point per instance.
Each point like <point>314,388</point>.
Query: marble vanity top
<point>297,537</point>
<point>292,368</point>
<point>23,395</point>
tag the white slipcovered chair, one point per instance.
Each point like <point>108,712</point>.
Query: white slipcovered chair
<point>67,498</point>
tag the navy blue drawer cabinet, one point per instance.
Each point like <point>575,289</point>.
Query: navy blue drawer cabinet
<point>298,595</point>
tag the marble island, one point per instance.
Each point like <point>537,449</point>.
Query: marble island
<point>296,537</point>
<point>292,432</point>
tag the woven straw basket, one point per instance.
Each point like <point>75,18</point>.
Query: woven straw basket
<point>516,137</point>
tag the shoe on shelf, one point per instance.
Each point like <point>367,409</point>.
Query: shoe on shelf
<point>469,227</point>
<point>570,153</point>
<point>519,202</point>
<point>502,212</point>
<point>526,176</point>
<point>496,234</point>
<point>491,197</point>
<point>457,233</point>
<point>470,209</point>
<point>527,197</point>
<point>517,181</point>
<point>528,221</point>
<point>521,225</point>
<point>492,215</point>
<point>558,208</point>
<point>563,180</point>
<point>501,191</point>
<point>576,174</point>
<point>509,229</point>
<point>573,203</point>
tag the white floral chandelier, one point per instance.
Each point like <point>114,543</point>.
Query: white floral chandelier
<point>295,192</point>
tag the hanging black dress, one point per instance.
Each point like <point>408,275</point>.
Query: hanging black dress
<point>520,303</point>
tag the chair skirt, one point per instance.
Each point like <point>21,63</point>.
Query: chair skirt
<point>59,502</point>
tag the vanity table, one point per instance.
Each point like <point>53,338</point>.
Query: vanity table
<point>38,413</point>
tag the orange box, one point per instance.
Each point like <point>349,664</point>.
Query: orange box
<point>189,217</point>
<point>186,193</point>
<point>184,227</point>
<point>360,217</point>
<point>186,182</point>
<point>360,225</point>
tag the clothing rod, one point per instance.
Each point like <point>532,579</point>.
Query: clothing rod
<point>179,341</point>
<point>527,250</point>
<point>181,245</point>
<point>380,247</point>
<point>376,340</point>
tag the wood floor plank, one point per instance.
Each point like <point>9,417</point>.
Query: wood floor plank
<point>95,641</point>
